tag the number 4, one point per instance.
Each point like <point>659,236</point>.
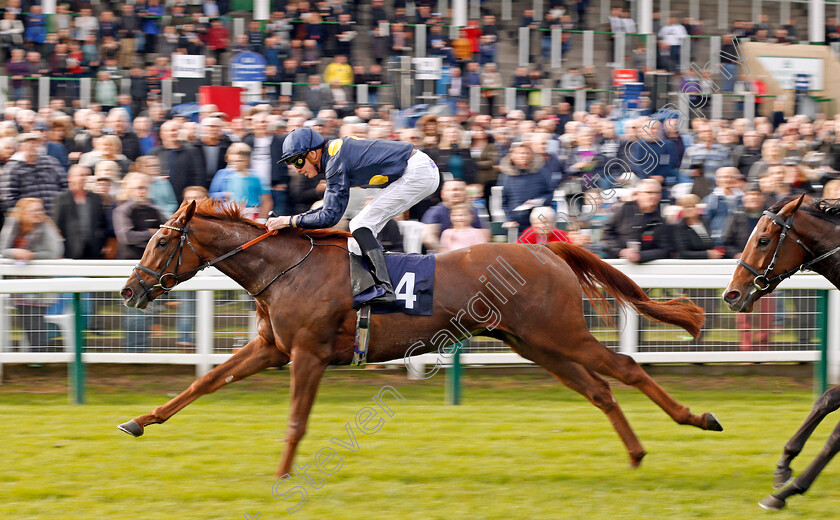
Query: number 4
<point>407,283</point>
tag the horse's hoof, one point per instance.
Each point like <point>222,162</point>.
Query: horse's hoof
<point>712,423</point>
<point>782,477</point>
<point>131,428</point>
<point>636,460</point>
<point>772,503</point>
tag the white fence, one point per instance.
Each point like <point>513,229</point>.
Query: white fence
<point>670,347</point>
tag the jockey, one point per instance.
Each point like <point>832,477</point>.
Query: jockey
<point>405,175</point>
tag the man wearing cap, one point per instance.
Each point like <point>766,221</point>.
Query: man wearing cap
<point>31,173</point>
<point>405,175</point>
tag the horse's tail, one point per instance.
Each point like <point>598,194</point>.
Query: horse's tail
<point>592,272</point>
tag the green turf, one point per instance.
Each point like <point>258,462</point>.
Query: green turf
<point>520,447</point>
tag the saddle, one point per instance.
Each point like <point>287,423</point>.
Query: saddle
<point>413,278</point>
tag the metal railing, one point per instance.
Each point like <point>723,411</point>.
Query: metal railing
<point>218,317</point>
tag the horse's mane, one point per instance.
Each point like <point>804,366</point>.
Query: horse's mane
<point>232,212</point>
<point>828,206</point>
<point>826,209</point>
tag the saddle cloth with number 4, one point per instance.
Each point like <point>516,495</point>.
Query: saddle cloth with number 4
<point>412,275</point>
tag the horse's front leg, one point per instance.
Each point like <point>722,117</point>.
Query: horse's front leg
<point>803,482</point>
<point>254,357</point>
<point>826,404</point>
<point>307,370</point>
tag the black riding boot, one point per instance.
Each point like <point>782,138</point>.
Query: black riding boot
<point>372,252</point>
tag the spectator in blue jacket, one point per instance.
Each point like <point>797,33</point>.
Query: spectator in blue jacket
<point>654,155</point>
<point>527,184</point>
<point>724,200</point>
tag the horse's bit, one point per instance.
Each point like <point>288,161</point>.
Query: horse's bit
<point>762,282</point>
<point>185,238</point>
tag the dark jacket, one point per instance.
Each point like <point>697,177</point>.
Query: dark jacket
<point>130,146</point>
<point>456,161</point>
<point>139,89</point>
<point>302,192</point>
<point>182,166</point>
<point>132,225</point>
<point>738,230</point>
<point>221,163</point>
<point>628,223</point>
<point>67,217</point>
<point>744,158</point>
<point>688,245</point>
<point>279,171</point>
<point>520,186</point>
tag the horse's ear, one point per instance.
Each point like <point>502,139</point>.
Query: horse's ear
<point>798,203</point>
<point>188,213</point>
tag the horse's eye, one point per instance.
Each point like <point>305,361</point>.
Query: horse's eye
<point>161,243</point>
<point>763,241</point>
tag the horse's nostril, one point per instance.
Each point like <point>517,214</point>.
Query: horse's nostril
<point>732,295</point>
<point>126,293</point>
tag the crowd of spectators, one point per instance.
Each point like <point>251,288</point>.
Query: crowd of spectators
<point>110,173</point>
<point>316,45</point>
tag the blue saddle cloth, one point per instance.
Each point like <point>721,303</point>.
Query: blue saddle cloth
<point>413,277</point>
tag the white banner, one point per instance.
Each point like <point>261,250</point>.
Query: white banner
<point>187,66</point>
<point>784,70</point>
<point>428,68</point>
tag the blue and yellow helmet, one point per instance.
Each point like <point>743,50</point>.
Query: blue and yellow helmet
<point>299,143</point>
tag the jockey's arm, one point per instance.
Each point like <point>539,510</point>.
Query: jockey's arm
<point>329,214</point>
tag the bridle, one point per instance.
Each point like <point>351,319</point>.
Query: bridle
<point>762,282</point>
<point>176,277</point>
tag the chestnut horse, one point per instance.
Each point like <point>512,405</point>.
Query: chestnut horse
<point>775,251</point>
<point>300,280</point>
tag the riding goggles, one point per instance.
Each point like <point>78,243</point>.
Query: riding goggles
<point>297,161</point>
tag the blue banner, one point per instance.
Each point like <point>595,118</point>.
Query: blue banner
<point>247,66</point>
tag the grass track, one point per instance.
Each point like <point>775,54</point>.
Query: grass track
<point>520,447</point>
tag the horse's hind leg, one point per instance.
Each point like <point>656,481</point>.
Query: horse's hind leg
<point>593,355</point>
<point>254,357</point>
<point>803,482</point>
<point>827,403</point>
<point>597,390</point>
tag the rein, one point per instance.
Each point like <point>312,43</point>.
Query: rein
<point>762,282</point>
<point>177,278</point>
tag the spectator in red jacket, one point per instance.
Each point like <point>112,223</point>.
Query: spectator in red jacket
<point>542,230</point>
<point>217,39</point>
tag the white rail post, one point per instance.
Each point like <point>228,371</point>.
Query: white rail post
<point>524,42</point>
<point>85,88</point>
<point>475,98</point>
<point>556,47</point>
<point>4,91</point>
<point>510,98</point>
<point>833,350</point>
<point>203,331</point>
<point>588,46</point>
<point>717,106</point>
<point>628,322</point>
<point>43,91</point>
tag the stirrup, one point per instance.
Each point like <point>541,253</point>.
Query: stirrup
<point>362,336</point>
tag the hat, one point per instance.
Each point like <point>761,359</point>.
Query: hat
<point>753,186</point>
<point>696,163</point>
<point>300,142</point>
<point>22,138</point>
<point>104,177</point>
<point>791,161</point>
